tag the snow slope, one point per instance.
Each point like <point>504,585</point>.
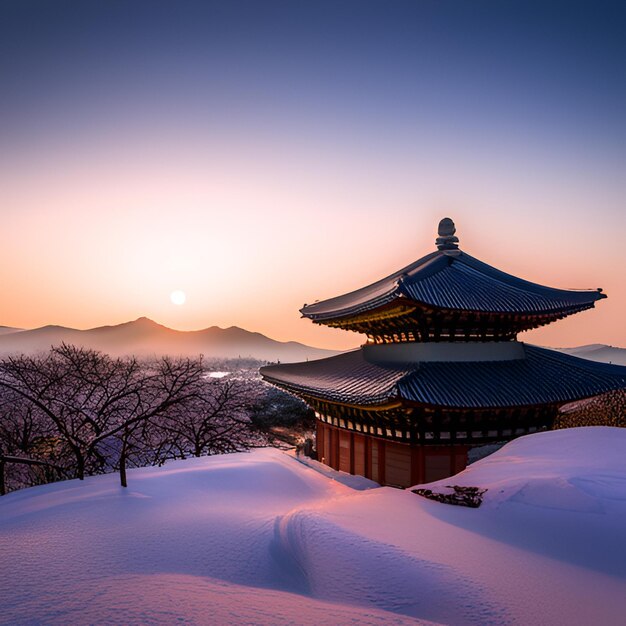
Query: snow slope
<point>260,538</point>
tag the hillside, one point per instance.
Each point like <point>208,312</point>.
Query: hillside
<point>599,352</point>
<point>144,337</point>
<point>5,330</point>
<point>260,538</point>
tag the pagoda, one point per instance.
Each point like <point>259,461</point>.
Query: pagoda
<point>442,369</point>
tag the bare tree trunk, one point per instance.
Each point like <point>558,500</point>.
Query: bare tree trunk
<point>123,481</point>
<point>5,459</point>
<point>80,469</point>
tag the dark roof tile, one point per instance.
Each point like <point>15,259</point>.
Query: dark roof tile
<point>543,377</point>
<point>457,282</point>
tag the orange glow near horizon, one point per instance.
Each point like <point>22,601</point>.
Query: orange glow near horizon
<point>93,236</point>
<point>260,158</point>
<point>252,254</point>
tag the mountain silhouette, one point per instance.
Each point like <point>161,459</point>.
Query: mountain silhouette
<point>145,337</point>
<point>4,330</point>
<point>599,352</point>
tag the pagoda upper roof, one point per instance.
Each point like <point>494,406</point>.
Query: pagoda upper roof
<point>451,279</point>
<point>535,377</point>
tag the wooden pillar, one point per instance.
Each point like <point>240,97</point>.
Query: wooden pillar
<point>460,458</point>
<point>319,440</point>
<point>437,327</point>
<point>328,443</point>
<point>351,452</point>
<point>336,450</point>
<point>417,465</point>
<point>359,454</point>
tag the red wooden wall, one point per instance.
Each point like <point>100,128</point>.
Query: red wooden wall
<point>387,462</point>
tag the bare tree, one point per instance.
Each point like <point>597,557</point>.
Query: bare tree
<point>44,382</point>
<point>75,412</point>
<point>27,445</point>
<point>92,399</point>
<point>164,386</point>
<point>215,421</point>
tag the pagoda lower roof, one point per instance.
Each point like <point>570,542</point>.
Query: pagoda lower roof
<point>459,282</point>
<point>539,377</point>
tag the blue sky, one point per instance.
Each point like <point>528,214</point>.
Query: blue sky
<point>347,126</point>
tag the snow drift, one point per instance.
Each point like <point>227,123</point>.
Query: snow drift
<point>261,538</point>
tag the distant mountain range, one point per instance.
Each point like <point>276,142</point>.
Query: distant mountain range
<point>4,330</point>
<point>144,337</point>
<point>599,352</point>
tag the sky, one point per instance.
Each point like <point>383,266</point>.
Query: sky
<point>261,155</point>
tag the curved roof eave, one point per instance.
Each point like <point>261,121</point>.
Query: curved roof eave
<point>457,282</point>
<point>366,298</point>
<point>543,377</point>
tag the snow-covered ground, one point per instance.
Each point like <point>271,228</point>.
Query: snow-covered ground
<point>261,538</point>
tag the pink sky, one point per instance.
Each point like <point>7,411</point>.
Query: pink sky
<point>93,237</point>
<point>262,155</point>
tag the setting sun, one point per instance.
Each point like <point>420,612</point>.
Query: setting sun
<point>397,393</point>
<point>178,297</point>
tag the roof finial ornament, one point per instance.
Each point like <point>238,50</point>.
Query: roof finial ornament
<point>447,242</point>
